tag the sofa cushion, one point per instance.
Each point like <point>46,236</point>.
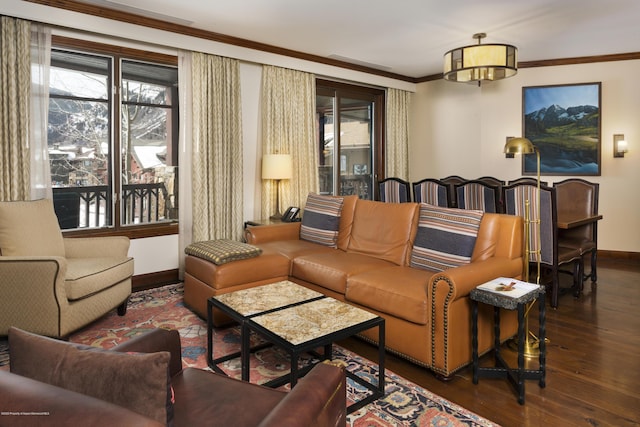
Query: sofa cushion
<point>87,276</point>
<point>332,269</point>
<point>139,382</point>
<point>445,238</point>
<point>398,291</point>
<point>206,398</point>
<point>30,228</point>
<point>321,220</point>
<point>384,230</point>
<point>222,251</point>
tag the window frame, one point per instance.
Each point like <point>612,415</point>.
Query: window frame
<point>119,53</point>
<point>378,132</point>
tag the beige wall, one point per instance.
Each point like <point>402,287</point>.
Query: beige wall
<point>460,129</point>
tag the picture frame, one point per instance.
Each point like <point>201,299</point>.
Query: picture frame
<point>564,123</point>
<point>360,169</point>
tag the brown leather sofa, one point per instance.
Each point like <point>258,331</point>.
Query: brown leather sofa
<point>202,398</point>
<point>428,313</point>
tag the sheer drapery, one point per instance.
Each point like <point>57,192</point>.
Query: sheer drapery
<point>216,144</point>
<point>397,144</point>
<point>185,197</point>
<point>38,147</point>
<point>288,127</point>
<point>15,88</point>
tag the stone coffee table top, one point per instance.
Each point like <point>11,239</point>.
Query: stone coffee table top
<point>248,302</point>
<point>303,323</point>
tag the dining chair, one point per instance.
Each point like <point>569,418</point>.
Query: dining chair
<point>527,180</point>
<point>450,181</point>
<point>544,244</point>
<point>478,195</point>
<point>578,198</point>
<point>394,190</point>
<point>431,191</point>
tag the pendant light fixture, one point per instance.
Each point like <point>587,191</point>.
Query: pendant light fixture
<point>480,62</point>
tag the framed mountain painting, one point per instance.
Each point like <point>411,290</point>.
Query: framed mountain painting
<point>563,122</point>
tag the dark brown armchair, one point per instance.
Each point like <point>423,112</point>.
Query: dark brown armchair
<point>152,373</point>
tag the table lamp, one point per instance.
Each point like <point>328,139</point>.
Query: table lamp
<point>524,146</point>
<point>277,167</point>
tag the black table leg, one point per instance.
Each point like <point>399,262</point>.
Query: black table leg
<point>543,344</point>
<point>245,351</point>
<point>521,339</point>
<point>474,339</point>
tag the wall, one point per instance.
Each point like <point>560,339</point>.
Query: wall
<point>460,129</point>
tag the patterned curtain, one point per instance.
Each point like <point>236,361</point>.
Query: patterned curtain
<point>216,148</point>
<point>15,90</point>
<point>288,127</point>
<point>397,145</point>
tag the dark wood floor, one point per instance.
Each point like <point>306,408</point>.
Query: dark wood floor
<point>593,361</point>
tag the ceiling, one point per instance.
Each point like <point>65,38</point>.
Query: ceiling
<point>409,37</point>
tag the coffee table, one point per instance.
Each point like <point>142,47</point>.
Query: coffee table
<point>298,320</point>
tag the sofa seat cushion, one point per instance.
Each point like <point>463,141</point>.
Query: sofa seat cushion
<point>204,398</point>
<point>398,291</point>
<point>295,248</point>
<point>87,276</point>
<point>332,269</point>
<point>269,264</point>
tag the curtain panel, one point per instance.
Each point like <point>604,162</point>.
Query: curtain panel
<point>216,128</point>
<point>288,127</point>
<point>15,91</point>
<point>397,144</point>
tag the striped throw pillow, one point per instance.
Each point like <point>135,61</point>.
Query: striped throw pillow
<point>321,220</point>
<point>445,238</point>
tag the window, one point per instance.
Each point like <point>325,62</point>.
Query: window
<point>113,152</point>
<point>350,122</point>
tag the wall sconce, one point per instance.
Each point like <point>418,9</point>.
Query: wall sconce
<point>619,145</point>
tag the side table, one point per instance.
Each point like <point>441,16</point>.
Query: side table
<point>526,293</point>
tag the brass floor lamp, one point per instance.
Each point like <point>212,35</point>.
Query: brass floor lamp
<point>524,146</point>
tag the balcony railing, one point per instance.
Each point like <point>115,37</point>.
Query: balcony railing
<point>89,207</point>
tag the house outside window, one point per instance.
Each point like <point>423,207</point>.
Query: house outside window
<point>112,137</point>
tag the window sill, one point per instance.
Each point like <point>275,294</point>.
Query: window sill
<point>132,232</point>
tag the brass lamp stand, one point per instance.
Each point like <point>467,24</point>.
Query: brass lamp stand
<point>524,146</point>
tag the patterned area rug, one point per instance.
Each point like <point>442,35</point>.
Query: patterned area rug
<point>405,403</point>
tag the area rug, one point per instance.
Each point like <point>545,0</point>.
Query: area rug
<point>404,403</point>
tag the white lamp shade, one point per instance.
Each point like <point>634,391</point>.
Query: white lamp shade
<point>277,166</point>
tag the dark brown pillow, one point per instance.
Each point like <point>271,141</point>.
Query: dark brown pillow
<point>136,381</point>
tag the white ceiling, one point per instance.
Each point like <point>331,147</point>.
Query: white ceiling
<point>409,37</point>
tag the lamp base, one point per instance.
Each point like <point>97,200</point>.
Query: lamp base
<point>276,216</point>
<point>531,345</point>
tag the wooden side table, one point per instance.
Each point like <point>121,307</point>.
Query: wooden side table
<point>498,300</point>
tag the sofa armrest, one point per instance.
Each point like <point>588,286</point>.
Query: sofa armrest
<point>27,402</point>
<point>318,400</point>
<point>96,247</point>
<point>32,293</point>
<point>154,341</point>
<point>458,282</point>
<point>273,232</point>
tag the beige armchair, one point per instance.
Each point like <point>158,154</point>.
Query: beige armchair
<point>52,285</point>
